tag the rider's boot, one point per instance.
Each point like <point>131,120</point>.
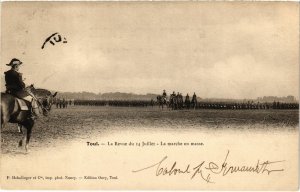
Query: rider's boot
<point>35,112</point>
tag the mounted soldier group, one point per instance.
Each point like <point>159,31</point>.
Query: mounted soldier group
<point>176,101</point>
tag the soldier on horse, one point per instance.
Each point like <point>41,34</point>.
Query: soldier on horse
<point>194,101</point>
<point>164,94</point>
<point>187,101</point>
<point>16,86</point>
<point>173,100</point>
<point>11,104</point>
<point>162,99</point>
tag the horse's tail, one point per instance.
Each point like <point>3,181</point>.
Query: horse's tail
<point>8,103</point>
<point>4,112</point>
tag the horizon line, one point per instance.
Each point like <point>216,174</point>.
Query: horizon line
<point>144,94</point>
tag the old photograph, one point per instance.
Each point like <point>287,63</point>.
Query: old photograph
<point>149,95</point>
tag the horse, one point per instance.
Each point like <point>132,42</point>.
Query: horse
<point>12,113</point>
<point>174,102</point>
<point>179,102</point>
<point>162,101</point>
<point>187,103</point>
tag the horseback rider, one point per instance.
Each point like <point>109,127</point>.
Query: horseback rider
<point>164,94</point>
<point>178,96</point>
<point>187,98</point>
<point>16,86</point>
<point>173,95</point>
<point>194,96</point>
<point>187,101</point>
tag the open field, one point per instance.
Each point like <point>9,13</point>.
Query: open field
<point>84,122</point>
<point>59,148</point>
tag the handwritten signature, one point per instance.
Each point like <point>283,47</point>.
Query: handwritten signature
<point>207,169</point>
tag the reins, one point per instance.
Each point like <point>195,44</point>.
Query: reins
<point>28,90</point>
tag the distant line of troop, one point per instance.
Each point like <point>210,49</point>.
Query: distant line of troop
<point>250,105</point>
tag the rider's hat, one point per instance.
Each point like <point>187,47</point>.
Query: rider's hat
<point>14,61</point>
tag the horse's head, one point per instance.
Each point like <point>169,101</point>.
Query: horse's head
<point>30,88</point>
<point>45,98</point>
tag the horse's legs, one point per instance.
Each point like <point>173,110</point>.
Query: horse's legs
<point>4,120</point>
<point>2,126</point>
<point>28,138</point>
<point>27,126</point>
<point>20,128</point>
<point>24,134</point>
<point>29,130</point>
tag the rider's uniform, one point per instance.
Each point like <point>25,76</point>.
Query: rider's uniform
<point>15,85</point>
<point>173,95</point>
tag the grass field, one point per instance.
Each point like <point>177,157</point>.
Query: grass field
<point>83,122</point>
<point>59,147</point>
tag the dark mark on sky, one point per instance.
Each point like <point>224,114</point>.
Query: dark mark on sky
<point>54,38</point>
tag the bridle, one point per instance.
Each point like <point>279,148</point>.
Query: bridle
<point>28,90</point>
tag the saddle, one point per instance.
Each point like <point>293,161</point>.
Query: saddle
<point>24,105</point>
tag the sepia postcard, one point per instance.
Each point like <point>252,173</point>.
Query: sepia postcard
<point>149,95</point>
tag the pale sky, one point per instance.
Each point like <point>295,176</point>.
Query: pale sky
<point>220,50</point>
